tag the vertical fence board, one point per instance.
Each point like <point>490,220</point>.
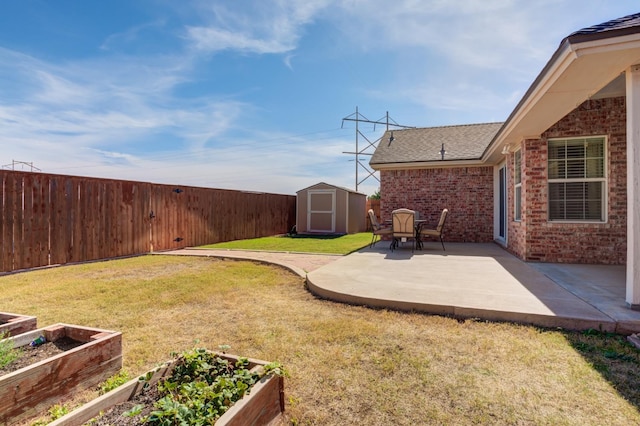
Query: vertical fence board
<point>90,201</point>
<point>3,258</point>
<point>26,247</point>
<point>83,244</point>
<point>8,219</point>
<point>102,212</point>
<point>180,204</point>
<point>72,219</point>
<point>18,225</point>
<point>143,218</point>
<point>56,201</point>
<point>41,210</point>
<point>113,201</point>
<point>126,215</point>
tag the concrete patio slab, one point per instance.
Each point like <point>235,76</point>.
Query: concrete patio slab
<point>468,280</point>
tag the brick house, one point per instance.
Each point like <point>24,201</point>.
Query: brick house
<point>552,183</point>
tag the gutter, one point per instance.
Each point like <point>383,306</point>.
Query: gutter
<point>434,164</point>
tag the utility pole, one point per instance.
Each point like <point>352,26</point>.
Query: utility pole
<point>369,147</point>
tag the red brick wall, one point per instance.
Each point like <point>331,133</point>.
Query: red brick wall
<point>466,191</point>
<point>537,239</point>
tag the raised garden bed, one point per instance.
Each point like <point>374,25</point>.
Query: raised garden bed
<point>26,392</point>
<point>13,324</point>
<point>262,405</point>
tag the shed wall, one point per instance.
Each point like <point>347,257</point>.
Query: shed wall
<point>350,210</point>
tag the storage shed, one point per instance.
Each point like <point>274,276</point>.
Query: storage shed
<point>329,209</point>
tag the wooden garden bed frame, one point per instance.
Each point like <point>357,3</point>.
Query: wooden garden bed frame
<point>14,324</point>
<point>26,392</point>
<point>262,406</point>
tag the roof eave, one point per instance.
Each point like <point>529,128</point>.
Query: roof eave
<point>571,50</point>
<point>559,61</point>
<point>436,164</point>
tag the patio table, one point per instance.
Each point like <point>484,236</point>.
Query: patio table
<point>417,225</point>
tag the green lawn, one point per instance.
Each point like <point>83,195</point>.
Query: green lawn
<point>330,244</point>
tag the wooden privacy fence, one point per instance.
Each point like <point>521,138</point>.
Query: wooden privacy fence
<point>52,219</point>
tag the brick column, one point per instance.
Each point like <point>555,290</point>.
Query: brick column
<point>633,186</point>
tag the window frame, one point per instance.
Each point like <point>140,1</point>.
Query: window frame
<point>517,186</point>
<point>603,180</point>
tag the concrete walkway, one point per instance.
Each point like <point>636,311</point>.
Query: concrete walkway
<point>468,280</point>
<point>298,263</point>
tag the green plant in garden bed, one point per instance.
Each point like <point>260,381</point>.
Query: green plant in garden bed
<point>202,387</point>
<point>114,381</point>
<point>7,353</point>
<point>326,244</point>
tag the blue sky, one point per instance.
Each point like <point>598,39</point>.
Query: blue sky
<point>251,94</point>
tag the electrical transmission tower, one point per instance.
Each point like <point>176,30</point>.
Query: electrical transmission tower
<point>369,146</point>
<point>21,164</point>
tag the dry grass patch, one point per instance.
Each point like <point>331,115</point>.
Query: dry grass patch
<point>348,365</point>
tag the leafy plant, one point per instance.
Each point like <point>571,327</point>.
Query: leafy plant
<point>58,411</point>
<point>135,410</point>
<point>202,387</point>
<point>114,381</point>
<point>7,352</point>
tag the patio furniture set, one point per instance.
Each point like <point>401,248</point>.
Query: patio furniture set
<point>405,225</point>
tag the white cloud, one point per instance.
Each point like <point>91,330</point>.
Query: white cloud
<point>254,27</point>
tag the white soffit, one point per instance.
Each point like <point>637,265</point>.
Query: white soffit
<point>579,72</point>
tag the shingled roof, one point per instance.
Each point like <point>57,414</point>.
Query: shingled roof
<point>615,28</point>
<point>465,142</point>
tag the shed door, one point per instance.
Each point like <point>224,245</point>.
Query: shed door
<point>321,210</point>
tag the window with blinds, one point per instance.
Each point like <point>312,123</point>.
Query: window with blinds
<point>517,186</point>
<point>577,184</point>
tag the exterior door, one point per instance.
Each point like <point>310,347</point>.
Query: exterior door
<point>321,210</point>
<point>502,200</point>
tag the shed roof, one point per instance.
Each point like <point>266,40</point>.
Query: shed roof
<point>333,186</point>
<point>465,142</point>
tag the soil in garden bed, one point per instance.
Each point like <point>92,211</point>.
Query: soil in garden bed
<point>30,355</point>
<point>114,417</point>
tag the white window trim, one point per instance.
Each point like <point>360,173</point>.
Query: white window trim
<point>517,185</point>
<point>604,180</point>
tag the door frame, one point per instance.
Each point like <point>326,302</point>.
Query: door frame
<point>312,192</point>
<point>501,215</point>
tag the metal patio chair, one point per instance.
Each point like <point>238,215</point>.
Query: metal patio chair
<point>377,229</point>
<point>438,232</point>
<point>404,227</point>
